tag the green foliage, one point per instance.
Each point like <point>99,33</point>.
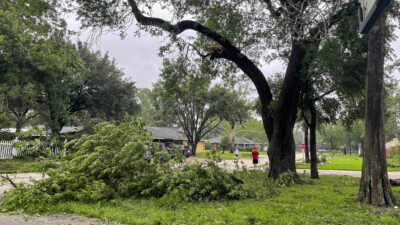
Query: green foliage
<point>285,179</point>
<point>111,163</point>
<point>20,96</point>
<point>28,147</point>
<point>253,129</point>
<point>198,183</point>
<point>393,160</point>
<point>225,143</point>
<point>328,200</point>
<point>337,136</point>
<point>392,111</point>
<point>185,95</point>
<point>103,93</point>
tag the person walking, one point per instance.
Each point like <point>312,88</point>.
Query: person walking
<point>237,152</point>
<point>254,154</point>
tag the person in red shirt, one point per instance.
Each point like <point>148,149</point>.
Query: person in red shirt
<point>254,154</point>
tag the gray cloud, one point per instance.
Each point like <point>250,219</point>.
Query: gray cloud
<point>138,56</point>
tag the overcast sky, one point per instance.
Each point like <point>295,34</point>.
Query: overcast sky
<point>138,56</point>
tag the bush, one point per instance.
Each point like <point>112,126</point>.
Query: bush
<point>111,163</point>
<point>198,183</point>
<point>285,179</point>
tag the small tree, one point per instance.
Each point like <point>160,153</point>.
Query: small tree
<point>225,143</point>
<point>189,99</point>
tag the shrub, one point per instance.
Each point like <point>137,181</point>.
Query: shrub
<point>393,159</point>
<point>285,179</point>
<point>199,183</point>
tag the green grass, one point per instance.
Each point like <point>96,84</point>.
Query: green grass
<point>227,155</point>
<point>341,162</point>
<point>19,165</point>
<point>330,200</point>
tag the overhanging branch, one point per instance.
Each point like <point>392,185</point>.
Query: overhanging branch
<point>230,52</point>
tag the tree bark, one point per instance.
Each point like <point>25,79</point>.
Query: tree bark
<point>281,151</point>
<point>193,147</point>
<point>374,185</point>
<point>313,142</point>
<point>233,134</point>
<point>306,146</point>
<point>18,125</point>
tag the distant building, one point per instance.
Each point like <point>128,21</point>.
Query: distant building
<point>240,142</point>
<point>172,135</point>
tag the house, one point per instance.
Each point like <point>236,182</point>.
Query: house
<point>240,142</point>
<point>172,135</point>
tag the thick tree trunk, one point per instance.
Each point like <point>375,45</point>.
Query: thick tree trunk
<point>193,147</point>
<point>281,151</point>
<point>313,143</point>
<point>306,145</point>
<point>18,125</point>
<point>374,185</point>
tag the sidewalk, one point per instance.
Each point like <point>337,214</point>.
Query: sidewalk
<point>392,175</point>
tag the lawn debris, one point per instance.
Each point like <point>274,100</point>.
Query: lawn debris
<point>9,179</point>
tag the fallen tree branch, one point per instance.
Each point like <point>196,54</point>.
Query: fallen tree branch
<point>8,179</point>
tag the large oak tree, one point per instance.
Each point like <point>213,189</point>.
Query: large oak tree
<point>295,26</point>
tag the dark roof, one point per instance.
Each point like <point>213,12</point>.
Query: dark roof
<point>238,140</point>
<point>167,133</point>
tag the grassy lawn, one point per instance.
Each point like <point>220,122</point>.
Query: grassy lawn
<point>19,165</point>
<point>330,200</point>
<point>228,155</point>
<point>341,162</point>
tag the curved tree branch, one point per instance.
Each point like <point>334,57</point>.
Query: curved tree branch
<point>230,52</point>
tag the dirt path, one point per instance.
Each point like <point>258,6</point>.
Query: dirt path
<point>6,219</point>
<point>20,178</point>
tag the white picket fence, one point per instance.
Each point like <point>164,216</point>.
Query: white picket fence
<point>8,151</point>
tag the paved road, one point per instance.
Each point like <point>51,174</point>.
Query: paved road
<point>230,165</point>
